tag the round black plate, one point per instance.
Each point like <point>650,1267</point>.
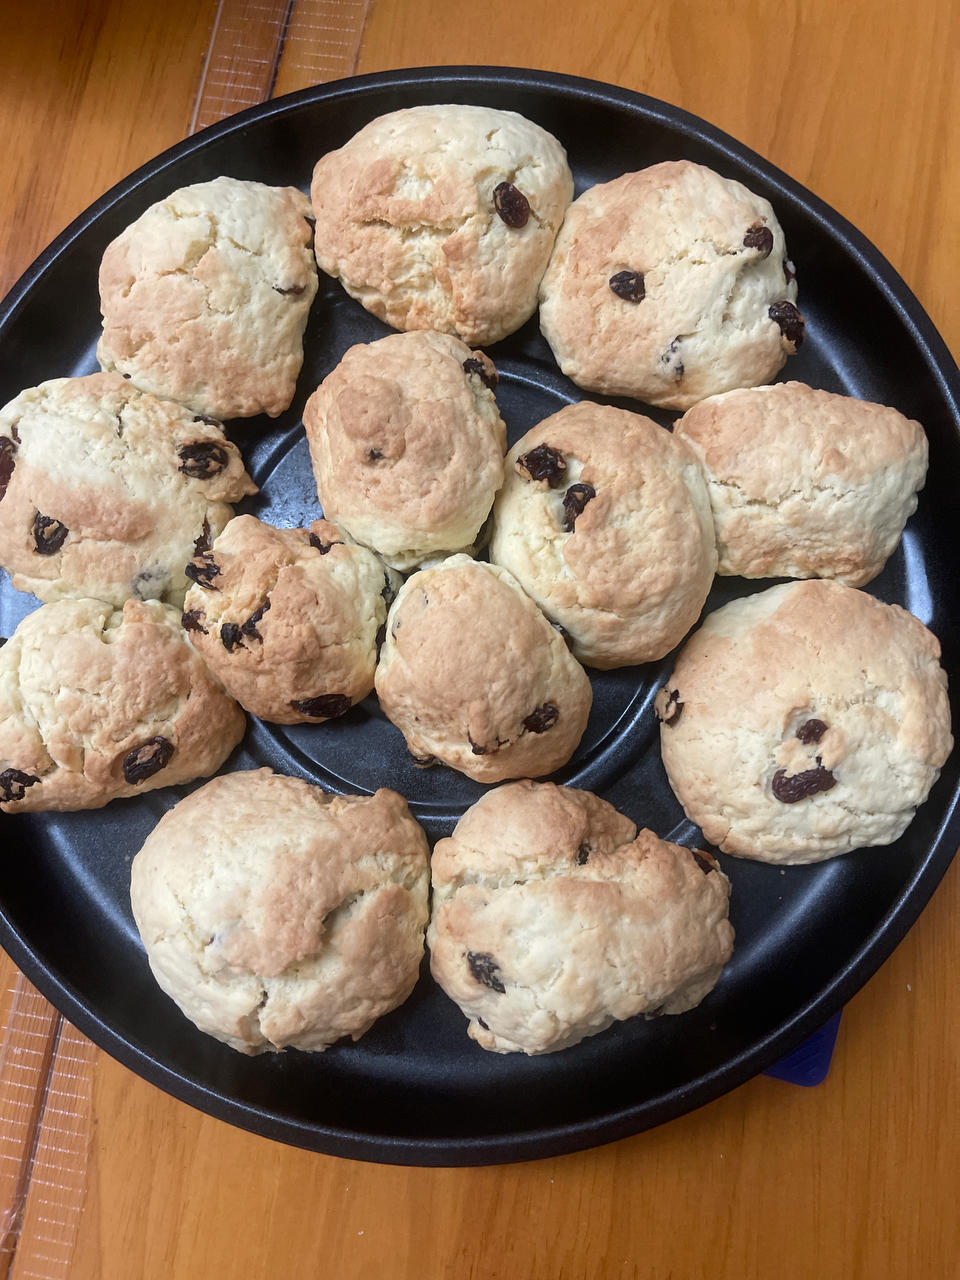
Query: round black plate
<point>415,1089</point>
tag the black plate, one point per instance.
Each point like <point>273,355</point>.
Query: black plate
<point>415,1089</point>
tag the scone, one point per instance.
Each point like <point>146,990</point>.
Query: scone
<point>473,675</point>
<point>205,297</point>
<point>554,917</point>
<point>277,915</point>
<point>670,285</point>
<point>805,721</point>
<point>97,703</point>
<point>604,519</point>
<point>443,217</point>
<point>104,489</point>
<point>407,445</point>
<point>805,483</point>
<point>290,620</point>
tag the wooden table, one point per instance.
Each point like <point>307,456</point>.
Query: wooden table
<point>856,1178</point>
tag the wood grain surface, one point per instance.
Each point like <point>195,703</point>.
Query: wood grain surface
<point>854,1180</point>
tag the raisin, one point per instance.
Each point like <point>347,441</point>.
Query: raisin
<point>759,237</point>
<point>249,628</point>
<point>486,970</point>
<point>231,636</point>
<point>321,546</point>
<point>13,783</point>
<point>423,762</point>
<point>202,569</point>
<point>324,707</point>
<point>811,731</point>
<point>8,458</point>
<point>628,285</point>
<point>190,621</point>
<point>583,853</point>
<point>295,290</point>
<point>211,422</point>
<point>543,463</point>
<point>786,315</point>
<point>669,356</point>
<point>202,542</point>
<point>481,1023</point>
<point>674,708</point>
<point>49,534</point>
<point>146,760</point>
<point>704,861</point>
<point>374,455</point>
<point>475,747</point>
<point>542,718</point>
<point>485,372</point>
<point>574,501</point>
<point>202,459</point>
<point>791,787</point>
<point>511,204</point>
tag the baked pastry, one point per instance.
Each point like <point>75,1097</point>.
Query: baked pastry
<point>205,297</point>
<point>407,445</point>
<point>805,721</point>
<point>96,703</point>
<point>473,675</point>
<point>604,519</point>
<point>805,483</point>
<point>443,217</point>
<point>669,285</point>
<point>290,620</point>
<point>272,933</point>
<point>554,917</point>
<point>105,489</point>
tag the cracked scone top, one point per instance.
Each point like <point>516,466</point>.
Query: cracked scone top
<point>290,619</point>
<point>669,285</point>
<point>474,675</point>
<point>271,933</point>
<point>805,721</point>
<point>554,917</point>
<point>804,483</point>
<point>407,445</point>
<point>104,489</point>
<point>97,703</point>
<point>205,297</point>
<point>443,217</point>
<point>604,519</point>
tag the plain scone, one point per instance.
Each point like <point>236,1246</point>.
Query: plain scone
<point>407,217</point>
<point>96,703</point>
<point>474,675</point>
<point>605,521</point>
<point>205,297</point>
<point>805,721</point>
<point>805,483</point>
<point>669,285</point>
<point>292,620</point>
<point>105,490</point>
<point>407,445</point>
<point>554,917</point>
<point>277,915</point>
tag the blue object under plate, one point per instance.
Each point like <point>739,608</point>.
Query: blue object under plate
<point>809,1063</point>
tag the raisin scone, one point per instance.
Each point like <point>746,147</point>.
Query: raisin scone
<point>205,297</point>
<point>669,285</point>
<point>104,489</point>
<point>407,445</point>
<point>474,675</point>
<point>604,519</point>
<point>97,703</point>
<point>805,721</point>
<point>805,483</point>
<point>553,917</point>
<point>290,620</point>
<point>443,217</point>
<point>270,933</point>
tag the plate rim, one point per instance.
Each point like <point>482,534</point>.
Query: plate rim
<point>555,1139</point>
